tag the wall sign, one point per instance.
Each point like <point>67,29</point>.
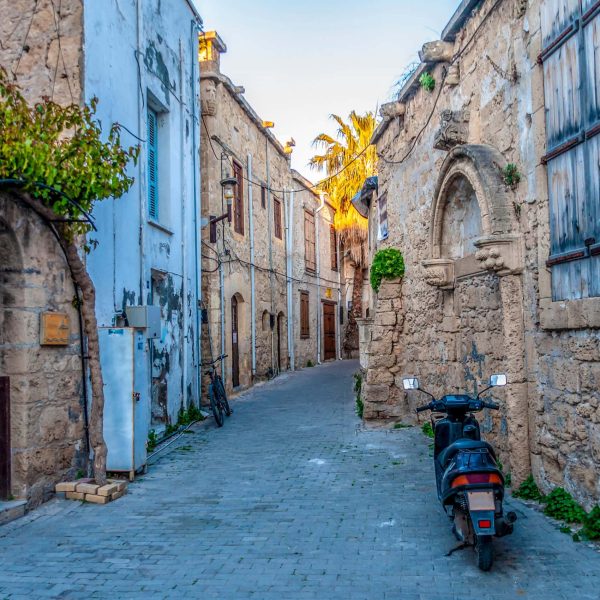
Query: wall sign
<point>55,329</point>
<point>328,293</point>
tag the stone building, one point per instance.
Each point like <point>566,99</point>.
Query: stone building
<point>488,184</point>
<point>267,283</point>
<point>140,62</point>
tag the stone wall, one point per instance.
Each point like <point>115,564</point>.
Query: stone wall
<point>47,412</point>
<point>42,47</point>
<point>476,295</point>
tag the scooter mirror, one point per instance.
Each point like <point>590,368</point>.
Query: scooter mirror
<point>498,380</point>
<point>410,383</point>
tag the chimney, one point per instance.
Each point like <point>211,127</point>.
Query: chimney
<point>210,50</point>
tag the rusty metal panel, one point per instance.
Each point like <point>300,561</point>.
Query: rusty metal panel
<point>5,448</point>
<point>566,181</point>
<point>591,34</point>
<point>562,93</point>
<point>556,16</point>
<point>55,329</point>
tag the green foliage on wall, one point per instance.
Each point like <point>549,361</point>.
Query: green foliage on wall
<point>387,264</point>
<point>58,152</point>
<point>528,490</point>
<point>427,82</point>
<point>561,505</point>
<point>511,175</point>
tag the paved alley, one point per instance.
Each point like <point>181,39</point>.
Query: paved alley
<point>291,499</point>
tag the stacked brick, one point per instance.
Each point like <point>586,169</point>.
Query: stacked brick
<point>88,491</point>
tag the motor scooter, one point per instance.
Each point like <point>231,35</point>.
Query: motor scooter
<point>470,485</point>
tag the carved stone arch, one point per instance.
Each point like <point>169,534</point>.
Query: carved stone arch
<point>499,246</point>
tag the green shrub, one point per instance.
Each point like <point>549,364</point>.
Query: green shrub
<point>591,524</point>
<point>427,82</point>
<point>427,429</point>
<point>511,175</point>
<point>561,505</point>
<point>528,490</point>
<point>387,264</point>
<point>152,440</point>
<point>309,363</point>
<point>360,406</point>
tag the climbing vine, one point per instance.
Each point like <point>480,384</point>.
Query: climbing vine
<point>54,161</point>
<point>387,264</point>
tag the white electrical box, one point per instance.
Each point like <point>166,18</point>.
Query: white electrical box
<point>145,317</point>
<point>125,370</point>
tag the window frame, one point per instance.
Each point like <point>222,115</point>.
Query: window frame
<point>333,249</point>
<point>304,315</point>
<point>238,199</point>
<point>277,223</point>
<point>382,218</point>
<point>153,197</point>
<point>310,262</point>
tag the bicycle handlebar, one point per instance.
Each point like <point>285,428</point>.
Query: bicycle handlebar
<point>212,362</point>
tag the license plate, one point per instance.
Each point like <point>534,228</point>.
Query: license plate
<point>481,500</point>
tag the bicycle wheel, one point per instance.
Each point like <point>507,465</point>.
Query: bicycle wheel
<point>220,389</point>
<point>215,406</point>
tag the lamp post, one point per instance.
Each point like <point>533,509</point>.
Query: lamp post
<point>227,183</point>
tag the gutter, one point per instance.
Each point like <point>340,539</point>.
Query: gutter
<point>318,253</point>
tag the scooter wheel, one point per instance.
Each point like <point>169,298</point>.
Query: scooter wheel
<point>485,552</point>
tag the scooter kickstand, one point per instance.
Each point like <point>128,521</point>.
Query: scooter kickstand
<point>459,547</point>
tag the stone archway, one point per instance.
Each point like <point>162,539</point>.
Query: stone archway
<point>476,258</point>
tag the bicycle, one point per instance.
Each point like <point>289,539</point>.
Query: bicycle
<point>216,391</point>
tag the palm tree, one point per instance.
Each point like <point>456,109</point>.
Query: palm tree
<point>348,160</point>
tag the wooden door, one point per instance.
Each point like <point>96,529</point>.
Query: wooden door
<point>235,352</point>
<point>329,331</point>
<point>4,438</point>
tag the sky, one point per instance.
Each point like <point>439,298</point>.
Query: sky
<point>301,60</point>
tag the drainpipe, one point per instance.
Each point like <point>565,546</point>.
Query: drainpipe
<point>318,253</point>
<point>142,203</point>
<point>196,172</point>
<point>252,283</point>
<point>269,212</point>
<point>338,327</point>
<point>222,286</point>
<point>289,245</point>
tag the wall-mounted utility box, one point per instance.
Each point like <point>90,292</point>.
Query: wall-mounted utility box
<point>145,317</point>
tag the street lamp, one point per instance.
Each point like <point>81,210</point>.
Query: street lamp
<point>227,183</point>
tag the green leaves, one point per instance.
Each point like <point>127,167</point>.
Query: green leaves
<point>61,147</point>
<point>387,264</point>
<point>561,505</point>
<point>427,82</point>
<point>528,490</point>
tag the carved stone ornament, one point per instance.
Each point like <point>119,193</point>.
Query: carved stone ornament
<point>453,76</point>
<point>502,254</point>
<point>209,98</point>
<point>392,109</point>
<point>439,272</point>
<point>453,130</point>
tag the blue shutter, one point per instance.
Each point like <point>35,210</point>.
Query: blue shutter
<point>152,165</point>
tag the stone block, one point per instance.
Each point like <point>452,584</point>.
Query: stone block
<point>375,376</point>
<point>87,488</point>
<point>376,392</point>
<point>96,499</point>
<point>385,319</point>
<point>65,486</point>
<point>74,495</point>
<point>108,489</point>
<point>121,485</point>
<point>117,495</point>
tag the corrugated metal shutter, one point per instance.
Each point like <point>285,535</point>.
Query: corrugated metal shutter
<point>152,138</point>
<point>571,59</point>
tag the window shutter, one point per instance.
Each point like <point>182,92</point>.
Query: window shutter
<point>383,217</point>
<point>304,321</point>
<point>309,241</point>
<point>152,165</point>
<point>263,196</point>
<point>277,217</point>
<point>571,60</point>
<point>333,248</point>
<point>238,200</point>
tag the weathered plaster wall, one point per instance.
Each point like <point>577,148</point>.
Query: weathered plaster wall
<point>453,335</point>
<point>140,260</point>
<point>47,422</point>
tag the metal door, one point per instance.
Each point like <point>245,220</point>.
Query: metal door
<point>4,438</point>
<point>235,355</point>
<point>329,331</point>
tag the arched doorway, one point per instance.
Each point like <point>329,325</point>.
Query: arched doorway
<point>476,261</point>
<point>235,348</point>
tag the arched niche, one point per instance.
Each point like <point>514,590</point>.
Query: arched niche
<point>472,216</point>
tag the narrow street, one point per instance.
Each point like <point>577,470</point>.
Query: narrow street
<point>291,499</point>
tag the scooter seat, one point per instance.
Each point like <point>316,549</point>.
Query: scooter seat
<point>452,450</point>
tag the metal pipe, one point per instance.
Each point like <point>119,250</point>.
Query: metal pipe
<point>269,213</point>
<point>290,290</point>
<point>318,257</point>
<point>142,158</point>
<point>222,292</point>
<point>338,327</point>
<point>252,282</point>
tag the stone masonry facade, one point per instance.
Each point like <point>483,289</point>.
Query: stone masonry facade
<point>476,297</point>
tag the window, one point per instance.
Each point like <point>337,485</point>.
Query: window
<point>263,196</point>
<point>570,50</point>
<point>277,217</point>
<point>238,200</point>
<point>382,232</point>
<point>304,314</point>
<point>310,259</point>
<point>333,248</point>
<point>152,137</point>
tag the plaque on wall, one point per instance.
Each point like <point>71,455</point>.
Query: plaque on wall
<point>55,329</point>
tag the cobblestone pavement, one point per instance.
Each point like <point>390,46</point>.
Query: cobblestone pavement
<point>291,499</point>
